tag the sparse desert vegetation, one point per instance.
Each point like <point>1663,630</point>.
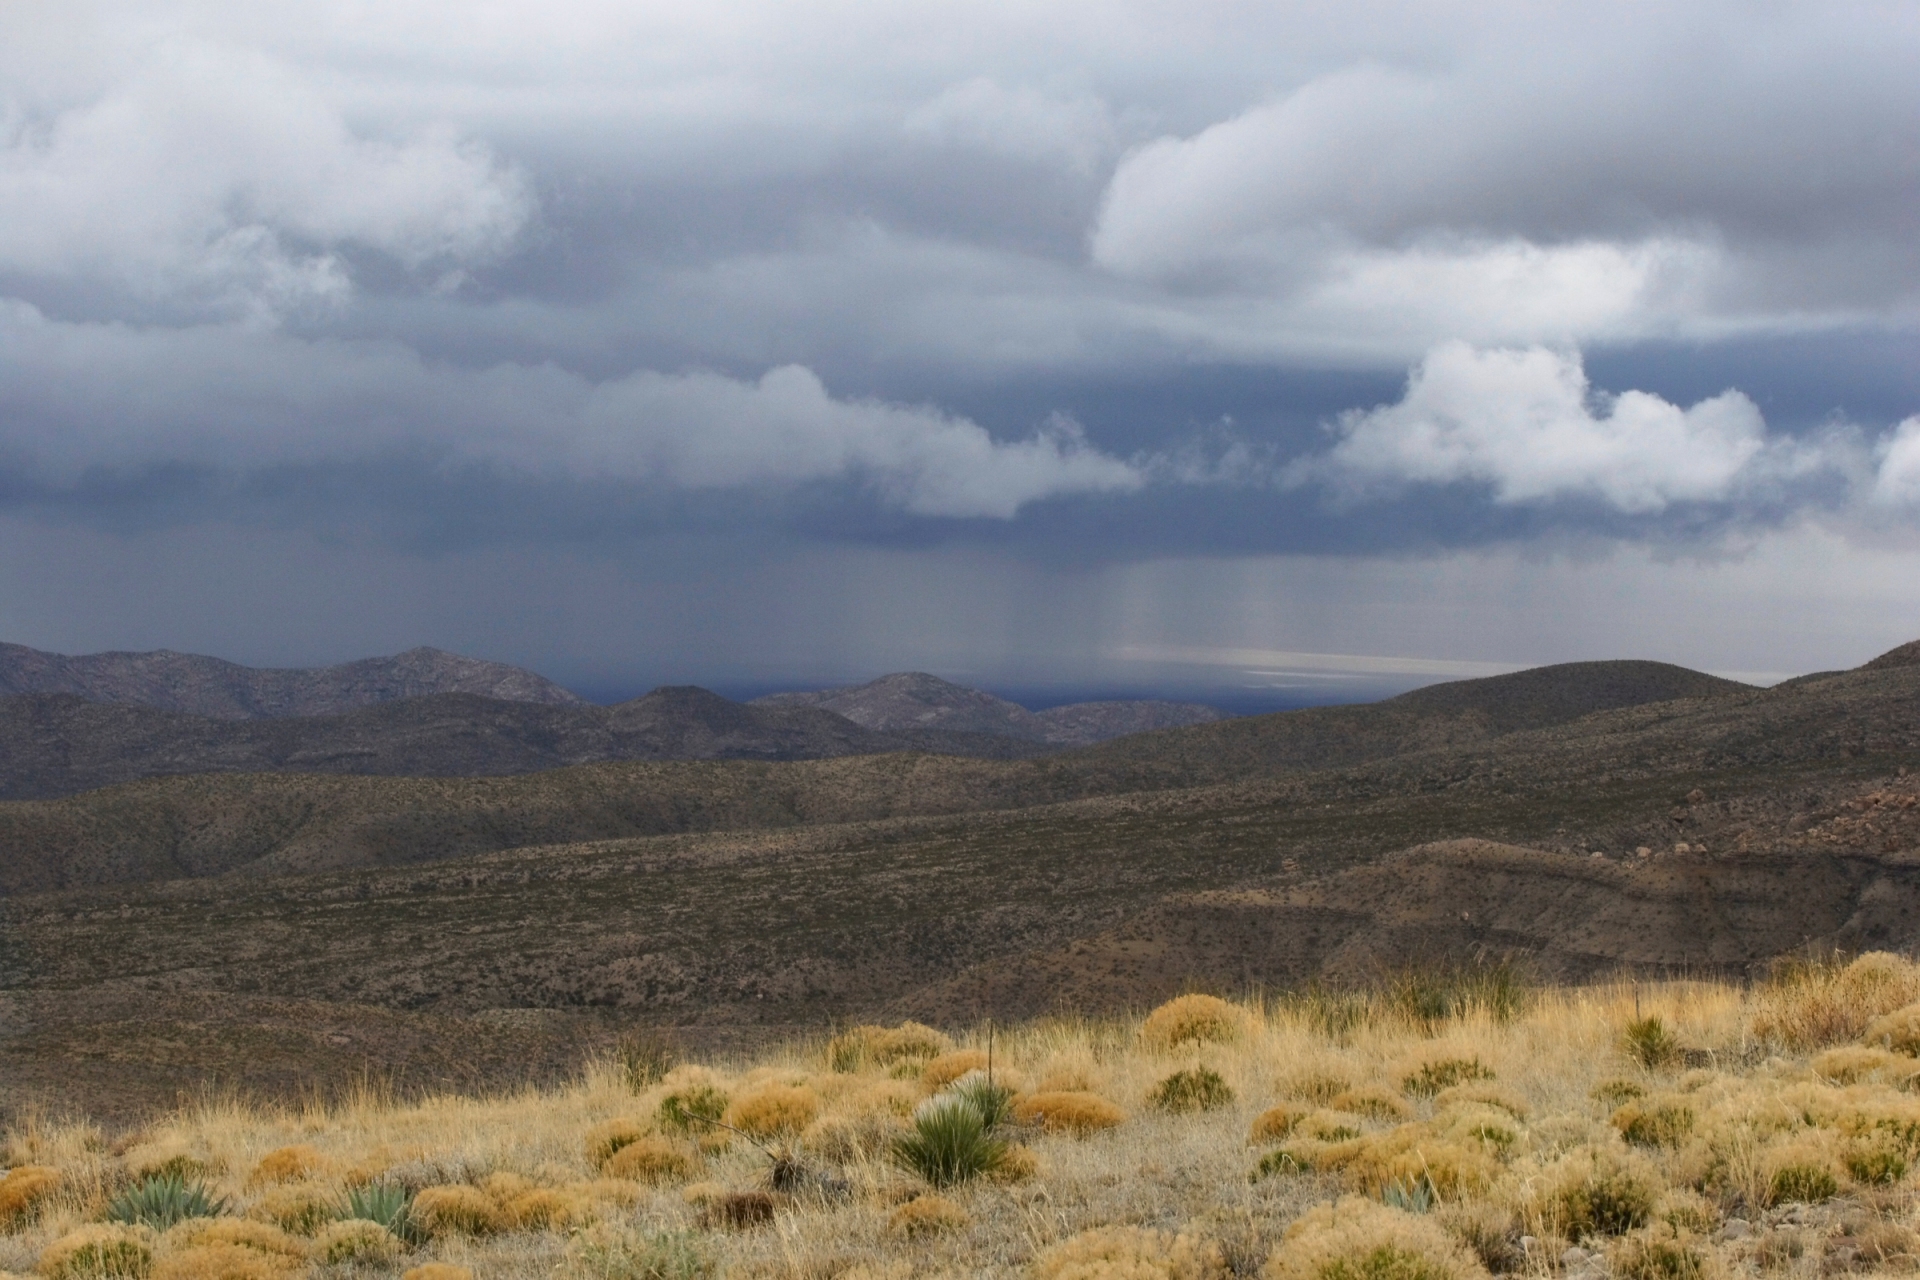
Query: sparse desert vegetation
<point>1670,1131</point>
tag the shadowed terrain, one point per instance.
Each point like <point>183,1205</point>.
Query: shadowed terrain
<point>593,898</point>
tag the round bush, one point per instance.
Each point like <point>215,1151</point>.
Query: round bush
<point>1196,1019</point>
<point>1199,1089</point>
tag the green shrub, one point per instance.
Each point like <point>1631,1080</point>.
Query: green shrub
<point>1386,1262</point>
<point>1280,1163</point>
<point>1617,1093</point>
<point>1443,1073</point>
<point>1649,1043</point>
<point>1200,1089</point>
<point>1609,1204</point>
<point>1663,1124</point>
<point>686,1109</point>
<point>617,1253</point>
<point>1877,1163</point>
<point>1806,1183</point>
<point>1650,1258</point>
<point>950,1143</point>
<point>162,1200</point>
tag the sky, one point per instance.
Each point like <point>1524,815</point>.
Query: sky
<point>1229,350</point>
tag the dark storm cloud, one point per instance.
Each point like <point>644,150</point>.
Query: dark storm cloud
<point>1070,288</point>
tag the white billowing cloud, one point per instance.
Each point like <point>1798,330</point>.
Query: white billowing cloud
<point>1022,123</point>
<point>215,174</point>
<point>702,430</point>
<point>1527,424</point>
<point>1582,187</point>
<point>78,397</point>
<point>1898,482</point>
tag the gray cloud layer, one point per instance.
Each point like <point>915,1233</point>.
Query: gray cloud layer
<point>751,255</point>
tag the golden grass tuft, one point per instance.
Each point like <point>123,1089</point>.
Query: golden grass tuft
<point>775,1110</point>
<point>1850,1064</point>
<point>1318,1087</point>
<point>609,1136</point>
<point>1359,1239</point>
<point>1192,1019</point>
<point>653,1160</point>
<point>240,1233</point>
<point>1374,1104</point>
<point>288,1164</point>
<point>356,1241</point>
<point>927,1215</point>
<point>218,1260</point>
<point>1131,1253</point>
<point>1898,1030</point>
<point>1410,1155</point>
<point>1594,1191</point>
<point>99,1251</point>
<point>1484,1094</point>
<point>847,1138</point>
<point>23,1190</point>
<point>437,1271</point>
<point>1077,1113</point>
<point>1275,1123</point>
<point>948,1067</point>
<point>870,1046</point>
<point>455,1209</point>
<point>302,1208</point>
<point>1811,1005</point>
<point>1018,1163</point>
<point>546,1208</point>
<point>1658,1120</point>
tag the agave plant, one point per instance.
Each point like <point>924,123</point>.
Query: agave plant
<point>384,1203</point>
<point>161,1200</point>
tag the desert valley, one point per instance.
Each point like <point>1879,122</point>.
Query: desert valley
<point>425,923</point>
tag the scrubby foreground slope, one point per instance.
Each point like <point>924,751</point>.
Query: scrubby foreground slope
<point>1443,1129</point>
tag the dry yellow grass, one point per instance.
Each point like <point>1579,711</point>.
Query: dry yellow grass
<point>654,1159</point>
<point>1076,1113</point>
<point>926,1216</point>
<point>1197,1019</point>
<point>774,1110</point>
<point>1131,1253</point>
<point>288,1164</point>
<point>1569,1142</point>
<point>948,1067</point>
<point>22,1189</point>
<point>1358,1239</point>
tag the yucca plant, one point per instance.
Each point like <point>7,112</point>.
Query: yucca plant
<point>951,1143</point>
<point>993,1102</point>
<point>384,1203</point>
<point>1649,1043</point>
<point>161,1200</point>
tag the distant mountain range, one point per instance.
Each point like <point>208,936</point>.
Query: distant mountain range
<point>220,690</point>
<point>914,700</point>
<point>75,723</point>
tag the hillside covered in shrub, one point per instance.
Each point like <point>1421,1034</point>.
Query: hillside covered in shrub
<point>1449,1125</point>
